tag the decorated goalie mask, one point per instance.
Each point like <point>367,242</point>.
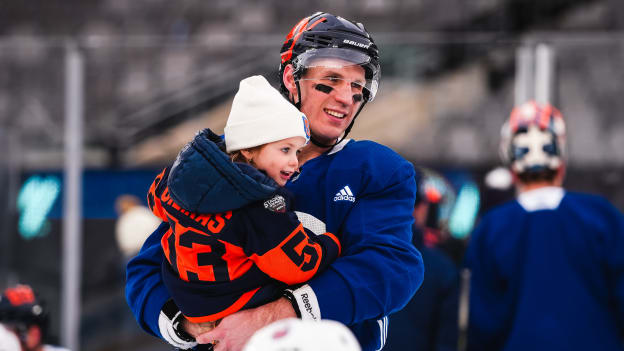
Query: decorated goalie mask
<point>533,139</point>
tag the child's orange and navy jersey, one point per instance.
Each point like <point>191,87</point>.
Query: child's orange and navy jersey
<point>361,190</point>
<point>219,263</point>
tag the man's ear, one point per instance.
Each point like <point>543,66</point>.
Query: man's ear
<point>288,78</point>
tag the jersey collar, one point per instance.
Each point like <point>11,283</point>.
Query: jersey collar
<point>546,198</point>
<point>339,146</point>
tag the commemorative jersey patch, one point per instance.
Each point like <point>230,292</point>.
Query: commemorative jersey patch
<point>276,204</point>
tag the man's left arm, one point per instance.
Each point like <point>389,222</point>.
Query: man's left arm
<point>380,270</point>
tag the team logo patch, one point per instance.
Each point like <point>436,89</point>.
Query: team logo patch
<point>344,194</point>
<point>276,204</point>
<point>306,127</point>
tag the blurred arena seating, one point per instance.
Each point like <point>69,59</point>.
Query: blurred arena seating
<point>152,65</point>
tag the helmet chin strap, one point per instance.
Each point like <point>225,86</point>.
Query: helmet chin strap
<point>346,132</point>
<point>298,102</point>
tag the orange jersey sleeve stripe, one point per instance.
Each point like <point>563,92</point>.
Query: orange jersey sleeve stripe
<point>164,243</point>
<point>157,208</point>
<point>235,307</point>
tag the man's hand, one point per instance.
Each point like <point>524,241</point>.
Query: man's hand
<point>234,331</point>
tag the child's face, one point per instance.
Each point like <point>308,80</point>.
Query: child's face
<point>279,158</point>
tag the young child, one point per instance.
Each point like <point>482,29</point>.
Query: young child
<point>234,241</point>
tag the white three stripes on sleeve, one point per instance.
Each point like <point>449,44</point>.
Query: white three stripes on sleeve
<point>383,331</point>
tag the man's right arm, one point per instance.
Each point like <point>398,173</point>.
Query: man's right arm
<point>145,291</point>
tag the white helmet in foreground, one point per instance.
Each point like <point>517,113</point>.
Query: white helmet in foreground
<point>8,340</point>
<point>296,334</point>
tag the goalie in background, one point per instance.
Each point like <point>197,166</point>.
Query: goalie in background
<point>547,267</point>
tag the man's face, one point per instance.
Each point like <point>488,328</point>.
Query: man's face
<point>330,111</point>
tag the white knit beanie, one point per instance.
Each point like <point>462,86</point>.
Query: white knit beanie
<point>261,115</point>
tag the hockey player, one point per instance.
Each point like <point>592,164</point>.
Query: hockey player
<point>233,239</point>
<point>24,320</point>
<point>547,268</point>
<point>363,191</point>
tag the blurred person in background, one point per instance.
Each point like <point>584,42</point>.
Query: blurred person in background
<point>429,321</point>
<point>329,70</point>
<point>134,224</point>
<point>24,320</point>
<point>433,214</point>
<point>295,334</point>
<point>547,269</point>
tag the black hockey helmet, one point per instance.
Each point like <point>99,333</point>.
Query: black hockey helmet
<point>20,307</point>
<point>324,35</point>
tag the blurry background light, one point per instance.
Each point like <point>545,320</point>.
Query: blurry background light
<point>34,203</point>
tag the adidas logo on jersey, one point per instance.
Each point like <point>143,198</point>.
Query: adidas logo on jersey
<point>344,194</point>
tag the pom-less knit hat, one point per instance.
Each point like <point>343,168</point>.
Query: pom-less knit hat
<point>261,115</point>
